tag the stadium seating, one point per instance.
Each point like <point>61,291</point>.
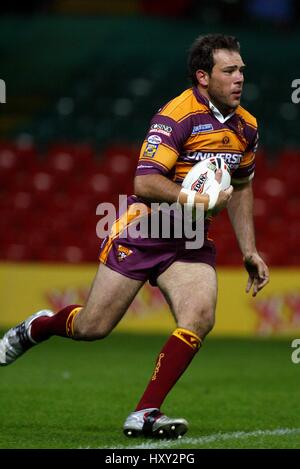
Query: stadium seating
<point>48,203</point>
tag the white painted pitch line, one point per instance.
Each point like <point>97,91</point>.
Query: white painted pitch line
<point>202,440</point>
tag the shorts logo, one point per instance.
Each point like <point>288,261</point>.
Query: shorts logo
<point>155,139</point>
<point>150,150</point>
<point>123,252</point>
<point>197,129</point>
<point>161,129</point>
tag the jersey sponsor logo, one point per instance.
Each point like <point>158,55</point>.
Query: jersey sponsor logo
<point>197,129</point>
<point>150,150</point>
<point>232,159</point>
<point>154,139</point>
<point>123,253</point>
<point>161,129</point>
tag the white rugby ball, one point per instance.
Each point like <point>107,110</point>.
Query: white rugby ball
<point>201,175</point>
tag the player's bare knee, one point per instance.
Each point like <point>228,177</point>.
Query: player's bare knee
<point>102,330</point>
<point>91,331</point>
<point>204,322</point>
<point>207,322</point>
<point>200,322</point>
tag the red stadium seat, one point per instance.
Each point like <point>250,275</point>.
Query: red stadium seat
<point>48,203</point>
<point>17,252</point>
<point>262,166</point>
<point>9,160</point>
<point>66,157</point>
<point>289,156</point>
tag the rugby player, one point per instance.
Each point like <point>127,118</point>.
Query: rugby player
<point>204,120</point>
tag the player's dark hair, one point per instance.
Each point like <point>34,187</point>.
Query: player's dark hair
<point>201,52</point>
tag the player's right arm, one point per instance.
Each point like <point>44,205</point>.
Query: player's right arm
<point>158,157</point>
<point>158,188</point>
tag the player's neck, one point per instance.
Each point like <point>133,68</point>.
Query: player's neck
<point>224,110</point>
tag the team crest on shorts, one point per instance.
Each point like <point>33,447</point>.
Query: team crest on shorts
<point>123,252</point>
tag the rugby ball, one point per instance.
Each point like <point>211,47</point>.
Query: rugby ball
<point>201,175</point>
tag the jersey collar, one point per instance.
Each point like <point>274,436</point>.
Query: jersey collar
<point>218,115</point>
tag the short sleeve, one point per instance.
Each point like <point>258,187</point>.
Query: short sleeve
<point>246,169</point>
<point>161,146</point>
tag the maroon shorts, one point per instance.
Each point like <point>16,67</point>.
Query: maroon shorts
<point>146,258</point>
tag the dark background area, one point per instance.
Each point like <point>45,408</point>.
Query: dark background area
<point>83,79</point>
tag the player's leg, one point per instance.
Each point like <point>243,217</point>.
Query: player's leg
<point>109,298</point>
<point>108,301</point>
<point>191,291</point>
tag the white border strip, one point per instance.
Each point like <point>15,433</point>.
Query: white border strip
<point>203,440</point>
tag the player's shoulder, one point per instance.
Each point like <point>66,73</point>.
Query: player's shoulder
<point>247,116</point>
<point>183,106</point>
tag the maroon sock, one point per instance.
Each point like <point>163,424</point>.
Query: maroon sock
<point>172,361</point>
<point>59,324</point>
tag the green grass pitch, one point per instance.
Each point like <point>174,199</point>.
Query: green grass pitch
<point>237,393</point>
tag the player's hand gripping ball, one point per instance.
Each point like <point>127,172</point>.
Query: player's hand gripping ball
<point>201,178</point>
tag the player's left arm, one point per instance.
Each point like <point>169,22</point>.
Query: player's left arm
<point>240,210</point>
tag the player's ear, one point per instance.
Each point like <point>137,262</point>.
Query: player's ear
<point>202,78</point>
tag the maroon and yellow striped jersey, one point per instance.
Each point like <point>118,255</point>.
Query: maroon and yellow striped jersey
<point>188,129</point>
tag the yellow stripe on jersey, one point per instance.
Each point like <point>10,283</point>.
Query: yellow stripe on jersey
<point>181,170</point>
<point>247,117</point>
<point>170,148</point>
<point>213,141</point>
<point>164,155</point>
<point>182,106</point>
<point>156,162</point>
<point>193,114</point>
<point>247,159</point>
<point>132,214</point>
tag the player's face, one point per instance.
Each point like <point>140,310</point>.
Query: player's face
<point>226,80</point>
